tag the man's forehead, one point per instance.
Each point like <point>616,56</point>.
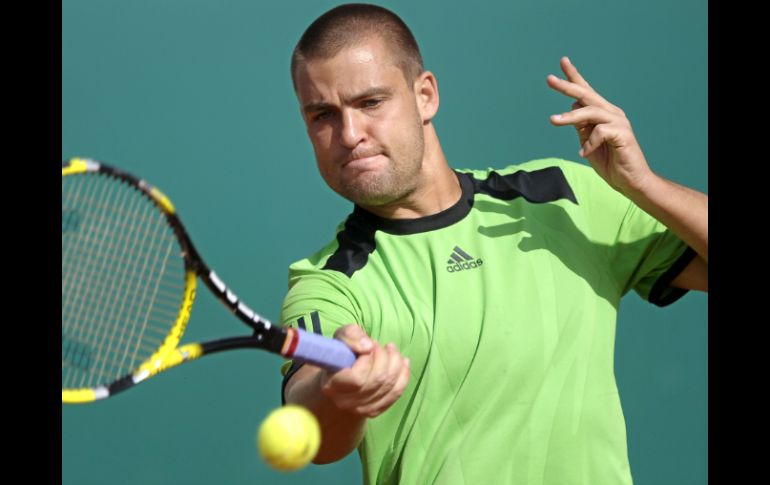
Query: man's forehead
<point>351,71</point>
<point>367,54</point>
<point>361,54</point>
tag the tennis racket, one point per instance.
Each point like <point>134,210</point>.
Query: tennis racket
<point>129,274</point>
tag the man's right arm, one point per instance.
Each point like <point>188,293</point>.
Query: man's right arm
<point>344,400</point>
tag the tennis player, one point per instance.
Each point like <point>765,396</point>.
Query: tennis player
<point>482,303</point>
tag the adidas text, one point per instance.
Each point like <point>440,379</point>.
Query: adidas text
<point>453,268</point>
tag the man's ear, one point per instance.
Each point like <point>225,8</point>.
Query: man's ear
<point>426,93</point>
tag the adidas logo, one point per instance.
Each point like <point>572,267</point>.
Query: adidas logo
<point>460,260</point>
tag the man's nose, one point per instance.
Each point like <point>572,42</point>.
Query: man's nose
<point>352,129</point>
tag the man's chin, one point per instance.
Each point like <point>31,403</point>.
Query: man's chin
<point>368,196</point>
<point>370,199</point>
<point>372,188</point>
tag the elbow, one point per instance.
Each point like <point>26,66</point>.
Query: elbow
<point>324,457</point>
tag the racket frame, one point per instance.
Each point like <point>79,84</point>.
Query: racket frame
<point>286,341</point>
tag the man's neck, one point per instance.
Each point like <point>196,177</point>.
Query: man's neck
<point>437,191</point>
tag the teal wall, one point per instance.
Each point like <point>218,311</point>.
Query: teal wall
<point>195,96</point>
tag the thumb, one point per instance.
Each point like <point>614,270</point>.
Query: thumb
<point>583,130</point>
<point>355,338</point>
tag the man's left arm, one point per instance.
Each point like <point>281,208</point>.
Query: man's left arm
<point>609,144</point>
<point>685,212</point>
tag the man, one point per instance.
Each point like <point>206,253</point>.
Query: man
<point>481,304</point>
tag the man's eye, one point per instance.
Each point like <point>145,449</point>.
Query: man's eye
<point>322,115</point>
<point>372,103</point>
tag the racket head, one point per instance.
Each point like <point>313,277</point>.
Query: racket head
<point>127,284</point>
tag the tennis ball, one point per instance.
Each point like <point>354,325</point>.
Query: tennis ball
<point>289,438</point>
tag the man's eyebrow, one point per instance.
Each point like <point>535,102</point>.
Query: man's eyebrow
<point>371,92</point>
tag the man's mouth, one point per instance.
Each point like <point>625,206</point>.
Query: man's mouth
<point>362,161</point>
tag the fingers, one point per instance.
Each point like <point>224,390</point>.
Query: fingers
<point>583,94</point>
<point>604,131</point>
<point>595,126</point>
<point>571,72</point>
<point>575,86</point>
<point>355,338</point>
<point>389,384</point>
<point>601,134</point>
<point>374,382</point>
<point>402,374</point>
<point>580,117</point>
<point>583,130</point>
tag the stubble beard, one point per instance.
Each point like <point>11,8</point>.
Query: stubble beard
<point>396,182</point>
<point>375,189</point>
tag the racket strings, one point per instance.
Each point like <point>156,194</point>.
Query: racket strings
<point>80,266</point>
<point>91,316</point>
<point>74,349</point>
<point>158,259</point>
<point>116,339</point>
<point>122,279</point>
<point>79,357</point>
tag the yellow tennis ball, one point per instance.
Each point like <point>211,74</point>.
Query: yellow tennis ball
<point>289,438</point>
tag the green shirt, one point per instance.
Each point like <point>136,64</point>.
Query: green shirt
<point>506,305</point>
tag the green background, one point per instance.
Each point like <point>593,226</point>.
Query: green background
<point>196,97</point>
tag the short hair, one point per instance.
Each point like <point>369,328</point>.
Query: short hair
<point>350,24</point>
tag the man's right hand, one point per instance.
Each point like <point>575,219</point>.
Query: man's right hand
<point>343,400</point>
<point>374,382</point>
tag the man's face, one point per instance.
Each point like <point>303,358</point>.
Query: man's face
<point>363,122</point>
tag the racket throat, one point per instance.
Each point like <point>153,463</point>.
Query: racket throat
<point>290,343</point>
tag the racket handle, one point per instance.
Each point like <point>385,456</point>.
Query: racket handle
<point>325,352</point>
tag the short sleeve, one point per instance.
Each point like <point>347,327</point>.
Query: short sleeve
<point>318,301</point>
<point>642,253</point>
<point>647,256</point>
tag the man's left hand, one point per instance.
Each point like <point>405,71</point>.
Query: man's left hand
<point>605,134</point>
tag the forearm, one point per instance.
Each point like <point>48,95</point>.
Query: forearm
<point>341,431</point>
<point>681,209</point>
